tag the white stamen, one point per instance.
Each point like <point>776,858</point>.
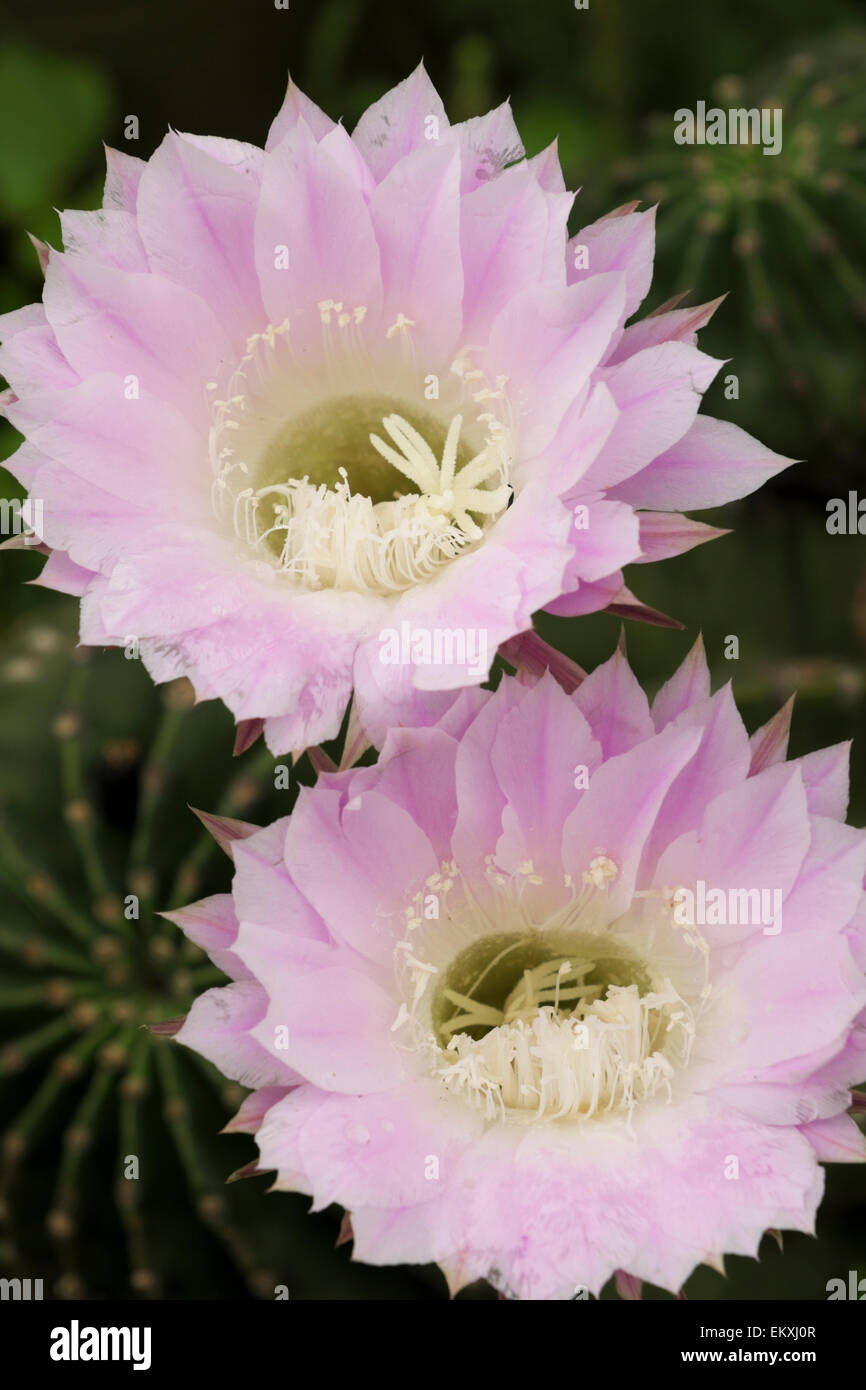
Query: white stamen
<point>322,536</point>
<point>400,323</point>
<point>600,1058</point>
<point>601,871</point>
<point>579,1036</point>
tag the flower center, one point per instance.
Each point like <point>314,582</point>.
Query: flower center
<point>337,483</point>
<point>333,439</point>
<point>559,1024</point>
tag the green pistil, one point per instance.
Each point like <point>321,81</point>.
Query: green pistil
<point>334,437</point>
<point>502,979</point>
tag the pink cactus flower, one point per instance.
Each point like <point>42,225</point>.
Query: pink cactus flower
<point>564,987</point>
<point>280,404</point>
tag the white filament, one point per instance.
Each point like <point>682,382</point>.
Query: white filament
<point>326,536</point>
<point>609,1056</point>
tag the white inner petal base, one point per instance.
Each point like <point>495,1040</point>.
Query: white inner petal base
<point>602,1057</point>
<point>570,1018</point>
<point>348,476</point>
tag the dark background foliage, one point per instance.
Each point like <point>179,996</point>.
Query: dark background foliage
<point>96,767</point>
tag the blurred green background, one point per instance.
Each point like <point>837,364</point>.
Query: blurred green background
<point>97,768</point>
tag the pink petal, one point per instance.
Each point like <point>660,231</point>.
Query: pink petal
<point>218,1025</point>
<point>511,237</point>
<point>547,342</point>
<point>416,773</point>
<point>313,208</point>
<point>375,1150</point>
<point>617,813</point>
<point>297,107</point>
<point>253,1110</point>
<point>339,1030</point>
<point>416,218</point>
<point>589,598</point>
<point>63,575</point>
<point>384,858</point>
<point>769,744</point>
<point>713,463</point>
<point>837,1141</point>
<point>118,321</point>
<point>89,426</point>
<point>825,777</point>
<point>537,749</point>
<point>265,893</point>
<point>677,326</point>
<point>196,216</point>
<point>122,176</point>
<point>487,144</point>
<point>212,924</point>
<point>109,236</point>
<point>607,538</point>
<point>658,392</point>
<point>721,762</point>
<point>754,835</point>
<point>615,706</point>
<point>396,124</point>
<point>689,685</point>
<point>585,428</point>
<point>31,360</point>
<point>618,243</point>
<point>665,534</point>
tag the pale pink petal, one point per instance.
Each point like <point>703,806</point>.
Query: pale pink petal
<point>196,216</point>
<point>122,176</point>
<point>218,1026</point>
<point>135,325</point>
<point>825,777</point>
<point>297,107</point>
<point>617,243</point>
<point>589,598</point>
<point>511,237</point>
<point>615,706</point>
<point>109,236</point>
<point>721,763</point>
<point>487,145</point>
<point>538,749</point>
<point>384,858</point>
<point>755,835</point>
<point>375,1150</point>
<point>416,218</point>
<point>676,326</point>
<point>557,336</point>
<point>312,208</point>
<point>689,685</point>
<point>62,574</point>
<point>665,534</point>
<point>658,392</point>
<point>769,744</point>
<point>837,1141</point>
<point>407,118</point>
<point>712,463</point>
<point>600,824</point>
<point>213,925</point>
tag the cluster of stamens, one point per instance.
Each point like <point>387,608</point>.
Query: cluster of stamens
<point>577,1036</point>
<point>605,1054</point>
<point>325,534</point>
